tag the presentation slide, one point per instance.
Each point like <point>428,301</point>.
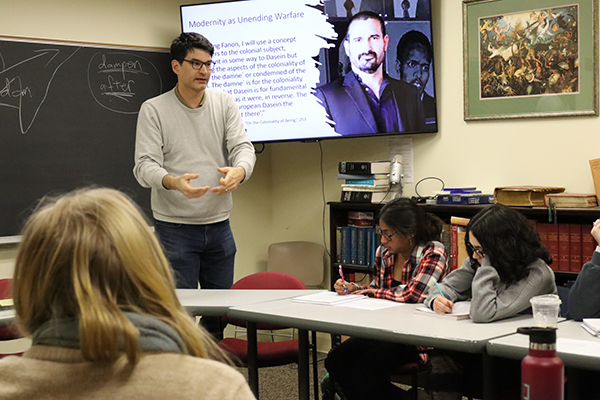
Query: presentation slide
<point>265,54</point>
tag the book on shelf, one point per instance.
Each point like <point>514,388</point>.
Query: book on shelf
<point>369,196</point>
<point>459,221</point>
<point>571,200</point>
<point>527,195</point>
<point>564,246</point>
<point>366,188</point>
<point>588,245</point>
<point>364,167</point>
<point>575,258</point>
<point>460,310</point>
<point>368,182</point>
<point>595,167</point>
<point>362,176</point>
<point>465,199</point>
<point>361,218</point>
<point>458,248</point>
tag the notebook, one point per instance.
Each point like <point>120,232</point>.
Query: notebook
<point>592,325</point>
<point>327,298</point>
<point>460,310</point>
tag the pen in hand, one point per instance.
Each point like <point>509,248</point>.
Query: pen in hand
<point>343,281</point>
<point>439,290</point>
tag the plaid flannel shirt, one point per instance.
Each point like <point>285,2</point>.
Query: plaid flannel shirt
<point>426,262</point>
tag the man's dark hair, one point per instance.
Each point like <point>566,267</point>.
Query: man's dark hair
<point>410,41</point>
<point>188,41</point>
<point>363,16</point>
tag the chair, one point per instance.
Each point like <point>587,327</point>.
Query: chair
<point>8,332</point>
<point>272,353</point>
<point>414,370</point>
<point>304,260</point>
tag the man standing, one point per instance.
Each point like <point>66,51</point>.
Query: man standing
<point>192,150</point>
<point>366,100</point>
<point>413,57</point>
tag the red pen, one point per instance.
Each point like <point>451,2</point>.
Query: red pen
<point>343,281</point>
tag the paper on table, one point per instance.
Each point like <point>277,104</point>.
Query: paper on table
<point>460,310</point>
<point>592,325</point>
<point>577,346</point>
<point>327,298</point>
<point>370,304</point>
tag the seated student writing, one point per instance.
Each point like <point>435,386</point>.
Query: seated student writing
<point>94,290</point>
<point>506,267</point>
<point>584,296</point>
<point>409,259</point>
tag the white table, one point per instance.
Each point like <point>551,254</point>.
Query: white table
<point>218,302</point>
<point>517,347</point>
<point>394,324</point>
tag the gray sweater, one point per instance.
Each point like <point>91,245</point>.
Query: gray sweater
<point>491,299</point>
<point>584,296</point>
<point>174,139</point>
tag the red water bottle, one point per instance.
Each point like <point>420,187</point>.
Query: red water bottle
<point>542,372</point>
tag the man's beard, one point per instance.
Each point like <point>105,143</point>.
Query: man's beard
<point>372,65</point>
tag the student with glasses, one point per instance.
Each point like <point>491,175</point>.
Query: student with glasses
<point>192,151</point>
<point>409,260</point>
<point>506,267</point>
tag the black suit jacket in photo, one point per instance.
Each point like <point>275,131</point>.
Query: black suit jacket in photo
<point>347,106</point>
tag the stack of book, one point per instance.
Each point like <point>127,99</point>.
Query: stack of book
<point>463,196</point>
<point>365,181</point>
<point>356,242</point>
<point>524,196</point>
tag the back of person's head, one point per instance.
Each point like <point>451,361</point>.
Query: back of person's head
<point>188,41</point>
<point>91,255</point>
<point>404,216</point>
<point>508,240</point>
<point>365,15</point>
<point>410,41</point>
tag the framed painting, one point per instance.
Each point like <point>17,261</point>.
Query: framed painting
<point>530,58</point>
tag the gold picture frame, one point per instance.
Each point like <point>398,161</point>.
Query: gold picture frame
<point>530,58</point>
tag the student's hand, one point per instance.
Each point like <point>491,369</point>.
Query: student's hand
<point>233,177</point>
<point>182,183</point>
<point>339,287</point>
<point>442,305</point>
<point>366,292</point>
<point>596,232</point>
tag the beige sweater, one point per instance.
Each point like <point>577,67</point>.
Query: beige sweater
<point>58,373</point>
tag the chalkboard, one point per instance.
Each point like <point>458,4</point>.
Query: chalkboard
<point>68,113</point>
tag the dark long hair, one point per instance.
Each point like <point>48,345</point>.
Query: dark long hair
<point>404,216</point>
<point>508,240</point>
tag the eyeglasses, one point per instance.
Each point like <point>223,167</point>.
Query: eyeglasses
<point>388,236</point>
<point>477,251</point>
<point>199,64</point>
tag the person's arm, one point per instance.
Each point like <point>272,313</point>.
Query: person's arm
<point>149,158</point>
<point>433,265</point>
<point>456,286</point>
<point>584,296</point>
<point>242,156</point>
<point>493,300</point>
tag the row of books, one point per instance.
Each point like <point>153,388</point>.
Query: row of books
<point>570,245</point>
<point>542,196</point>
<point>356,242</point>
<point>365,181</point>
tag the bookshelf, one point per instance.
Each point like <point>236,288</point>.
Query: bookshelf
<point>338,216</point>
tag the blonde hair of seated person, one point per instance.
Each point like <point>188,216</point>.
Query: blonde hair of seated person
<point>90,254</point>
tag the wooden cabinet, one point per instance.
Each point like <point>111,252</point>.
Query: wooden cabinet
<point>338,216</point>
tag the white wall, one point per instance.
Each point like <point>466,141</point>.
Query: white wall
<point>282,200</point>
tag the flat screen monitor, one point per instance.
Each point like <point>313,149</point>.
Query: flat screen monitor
<point>298,70</point>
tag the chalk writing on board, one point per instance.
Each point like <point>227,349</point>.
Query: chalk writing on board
<point>24,86</point>
<point>121,82</point>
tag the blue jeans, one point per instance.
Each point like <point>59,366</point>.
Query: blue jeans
<point>200,253</point>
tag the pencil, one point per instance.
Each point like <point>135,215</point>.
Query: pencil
<point>440,290</point>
